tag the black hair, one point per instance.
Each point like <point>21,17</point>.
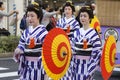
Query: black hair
<point>1,3</point>
<point>78,19</point>
<point>85,9</point>
<point>35,8</point>
<point>69,4</point>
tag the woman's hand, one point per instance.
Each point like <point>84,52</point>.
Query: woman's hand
<point>17,53</point>
<point>16,12</point>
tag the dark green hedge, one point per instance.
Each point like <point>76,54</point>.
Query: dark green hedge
<point>9,43</point>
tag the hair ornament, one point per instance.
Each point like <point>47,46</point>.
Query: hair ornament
<point>88,7</point>
<point>35,3</point>
<point>70,2</point>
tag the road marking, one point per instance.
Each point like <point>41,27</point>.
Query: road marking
<point>2,68</point>
<point>8,74</point>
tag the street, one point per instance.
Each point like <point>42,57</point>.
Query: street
<point>8,71</point>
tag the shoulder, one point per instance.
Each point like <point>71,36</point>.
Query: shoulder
<point>91,30</point>
<point>60,20</point>
<point>42,27</point>
<point>1,11</point>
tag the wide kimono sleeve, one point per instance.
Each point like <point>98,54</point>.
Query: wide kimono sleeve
<point>4,13</point>
<point>43,34</point>
<point>23,37</point>
<point>75,38</point>
<point>96,53</point>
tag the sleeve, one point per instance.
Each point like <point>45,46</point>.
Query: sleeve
<point>96,54</point>
<point>43,35</point>
<point>58,24</point>
<point>21,44</point>
<point>19,50</point>
<point>75,39</point>
<point>4,14</point>
<point>76,25</point>
<point>49,14</point>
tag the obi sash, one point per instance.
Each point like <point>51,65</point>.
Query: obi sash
<point>83,52</point>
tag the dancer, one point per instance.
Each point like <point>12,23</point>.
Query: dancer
<point>28,52</point>
<point>87,47</point>
<point>69,24</point>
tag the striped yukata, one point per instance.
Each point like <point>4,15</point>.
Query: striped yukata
<point>74,25</point>
<point>64,23</point>
<point>86,60</point>
<point>31,69</point>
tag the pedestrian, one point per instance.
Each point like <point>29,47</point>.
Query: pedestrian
<point>3,31</point>
<point>28,52</point>
<point>47,15</point>
<point>69,24</point>
<point>2,14</point>
<point>23,24</point>
<point>87,47</point>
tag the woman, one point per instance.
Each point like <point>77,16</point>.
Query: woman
<point>69,24</point>
<point>87,47</point>
<point>28,51</point>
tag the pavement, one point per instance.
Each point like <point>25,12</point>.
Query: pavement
<point>8,71</point>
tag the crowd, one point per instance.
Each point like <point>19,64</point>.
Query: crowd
<point>85,41</point>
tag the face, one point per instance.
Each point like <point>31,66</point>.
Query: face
<point>68,11</point>
<point>32,19</point>
<point>2,7</point>
<point>84,18</point>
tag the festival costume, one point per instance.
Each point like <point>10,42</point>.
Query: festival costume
<point>70,23</point>
<point>88,52</point>
<point>64,23</point>
<point>30,63</point>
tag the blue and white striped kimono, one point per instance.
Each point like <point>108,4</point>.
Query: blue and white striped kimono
<point>31,70</point>
<point>84,68</point>
<point>64,22</point>
<point>72,22</point>
<point>74,25</point>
